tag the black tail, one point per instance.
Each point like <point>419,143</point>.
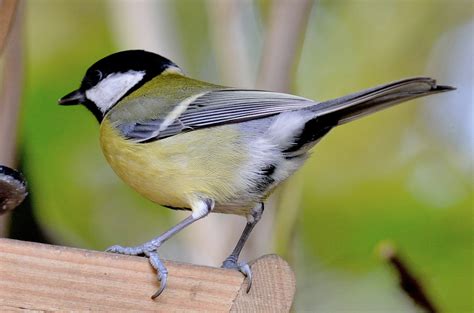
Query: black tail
<point>353,106</point>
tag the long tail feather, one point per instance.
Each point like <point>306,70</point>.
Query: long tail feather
<point>345,109</point>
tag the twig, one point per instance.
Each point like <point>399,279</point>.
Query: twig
<point>411,285</point>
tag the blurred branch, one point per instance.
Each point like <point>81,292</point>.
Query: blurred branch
<point>7,12</point>
<point>287,216</point>
<point>229,41</point>
<point>410,285</point>
<point>10,91</point>
<point>283,42</point>
<point>145,24</point>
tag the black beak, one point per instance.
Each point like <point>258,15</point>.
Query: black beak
<point>75,97</point>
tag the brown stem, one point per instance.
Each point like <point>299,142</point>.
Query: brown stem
<point>7,12</point>
<point>410,284</point>
<point>10,89</point>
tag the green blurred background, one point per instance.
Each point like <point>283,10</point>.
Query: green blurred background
<point>404,174</point>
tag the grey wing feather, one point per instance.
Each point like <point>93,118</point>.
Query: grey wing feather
<point>216,108</point>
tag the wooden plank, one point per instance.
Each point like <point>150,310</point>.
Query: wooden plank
<point>273,287</point>
<point>43,277</point>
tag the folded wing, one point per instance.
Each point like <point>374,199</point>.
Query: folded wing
<point>214,108</point>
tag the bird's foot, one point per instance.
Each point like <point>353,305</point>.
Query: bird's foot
<point>143,249</point>
<point>244,268</point>
<point>149,250</point>
<point>138,250</point>
<point>161,271</point>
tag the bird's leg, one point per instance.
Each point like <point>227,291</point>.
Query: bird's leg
<point>231,261</point>
<point>202,209</point>
<point>153,244</point>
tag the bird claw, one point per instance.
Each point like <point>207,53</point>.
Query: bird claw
<point>138,250</point>
<point>244,268</point>
<point>162,272</point>
<point>153,258</point>
<point>163,280</point>
<point>114,249</point>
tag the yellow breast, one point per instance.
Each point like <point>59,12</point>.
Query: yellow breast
<point>176,170</point>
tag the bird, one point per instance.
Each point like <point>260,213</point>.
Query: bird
<point>187,144</point>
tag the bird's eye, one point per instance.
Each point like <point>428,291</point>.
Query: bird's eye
<point>98,75</point>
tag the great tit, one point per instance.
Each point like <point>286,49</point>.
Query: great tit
<point>192,145</point>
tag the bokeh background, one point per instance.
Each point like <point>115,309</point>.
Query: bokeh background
<point>404,174</point>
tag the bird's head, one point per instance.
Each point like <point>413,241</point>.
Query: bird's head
<point>112,78</point>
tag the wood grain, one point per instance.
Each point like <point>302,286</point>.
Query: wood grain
<point>53,278</point>
<point>273,287</point>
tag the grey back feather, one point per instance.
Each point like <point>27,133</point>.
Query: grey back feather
<point>214,108</point>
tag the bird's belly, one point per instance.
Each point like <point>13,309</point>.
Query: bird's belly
<point>176,170</point>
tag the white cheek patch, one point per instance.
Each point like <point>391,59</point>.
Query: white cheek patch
<point>110,89</point>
